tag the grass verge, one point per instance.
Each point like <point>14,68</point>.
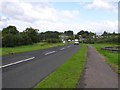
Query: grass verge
<point>68,74</point>
<point>26,48</point>
<point>111,58</point>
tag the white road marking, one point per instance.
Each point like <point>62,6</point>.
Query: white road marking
<point>17,62</point>
<point>62,48</point>
<point>50,52</point>
<point>68,46</point>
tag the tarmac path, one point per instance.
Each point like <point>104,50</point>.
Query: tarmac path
<point>97,73</point>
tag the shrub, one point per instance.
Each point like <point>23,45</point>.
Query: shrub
<point>8,40</point>
<point>53,40</point>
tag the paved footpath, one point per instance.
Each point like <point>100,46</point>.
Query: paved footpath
<point>97,74</point>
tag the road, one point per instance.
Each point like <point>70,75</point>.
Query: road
<point>98,74</point>
<point>25,70</point>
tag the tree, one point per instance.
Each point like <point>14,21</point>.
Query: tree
<point>49,35</point>
<point>8,40</point>
<point>68,33</point>
<point>81,32</point>
<point>25,39</point>
<point>33,34</point>
<point>84,34</point>
<point>10,36</point>
<point>10,30</point>
<point>70,37</point>
<point>88,36</point>
<point>105,34</point>
<point>76,36</point>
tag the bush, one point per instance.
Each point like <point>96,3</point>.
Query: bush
<point>109,40</point>
<point>53,40</point>
<point>12,37</point>
<point>25,39</point>
<point>8,40</point>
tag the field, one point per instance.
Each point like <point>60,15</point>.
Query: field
<point>110,57</point>
<point>68,74</point>
<point>26,48</point>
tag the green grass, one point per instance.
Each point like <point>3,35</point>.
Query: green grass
<point>111,58</point>
<point>26,48</point>
<point>68,74</point>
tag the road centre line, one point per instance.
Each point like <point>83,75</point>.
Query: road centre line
<point>68,46</point>
<point>50,52</point>
<point>27,59</point>
<point>62,48</point>
<point>17,62</point>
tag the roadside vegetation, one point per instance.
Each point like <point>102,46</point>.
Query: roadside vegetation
<point>67,75</point>
<point>105,37</point>
<point>110,57</point>
<point>109,38</point>
<point>11,37</point>
<point>27,48</point>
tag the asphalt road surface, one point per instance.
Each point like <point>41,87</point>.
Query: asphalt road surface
<point>25,70</point>
<point>98,74</point>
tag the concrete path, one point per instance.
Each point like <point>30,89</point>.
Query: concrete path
<point>98,73</point>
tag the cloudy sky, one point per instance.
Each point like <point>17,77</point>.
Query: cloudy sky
<point>60,15</point>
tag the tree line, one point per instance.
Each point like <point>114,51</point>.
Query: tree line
<point>107,37</point>
<point>86,37</point>
<point>11,37</point>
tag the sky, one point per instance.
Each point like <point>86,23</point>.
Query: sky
<point>60,15</point>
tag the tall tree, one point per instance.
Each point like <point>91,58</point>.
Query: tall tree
<point>33,34</point>
<point>81,32</point>
<point>68,33</point>
<point>105,34</point>
<point>10,30</point>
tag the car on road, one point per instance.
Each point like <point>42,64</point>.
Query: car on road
<point>76,42</point>
<point>69,40</point>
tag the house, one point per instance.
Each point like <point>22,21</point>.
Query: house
<point>63,37</point>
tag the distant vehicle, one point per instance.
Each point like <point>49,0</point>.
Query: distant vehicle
<point>76,42</point>
<point>63,41</point>
<point>69,40</point>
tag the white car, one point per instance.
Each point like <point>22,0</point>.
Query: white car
<point>76,42</point>
<point>63,41</point>
<point>69,40</point>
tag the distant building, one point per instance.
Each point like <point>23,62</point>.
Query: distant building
<point>81,38</point>
<point>63,37</point>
